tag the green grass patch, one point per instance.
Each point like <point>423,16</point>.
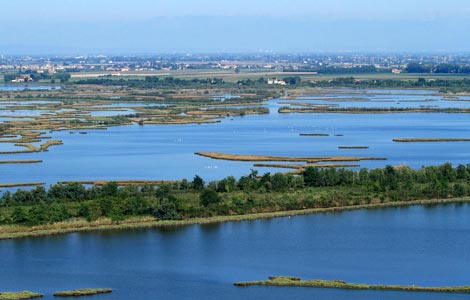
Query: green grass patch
<point>19,295</point>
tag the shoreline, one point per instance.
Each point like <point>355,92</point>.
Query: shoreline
<point>15,232</point>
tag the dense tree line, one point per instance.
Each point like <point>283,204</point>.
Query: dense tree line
<point>442,68</point>
<point>450,85</point>
<point>36,76</point>
<point>251,193</point>
<point>154,82</point>
<point>364,69</point>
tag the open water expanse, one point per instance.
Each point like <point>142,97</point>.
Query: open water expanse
<point>167,151</point>
<point>419,245</point>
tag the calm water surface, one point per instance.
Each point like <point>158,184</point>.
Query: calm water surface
<point>21,87</point>
<point>418,245</point>
<point>167,151</point>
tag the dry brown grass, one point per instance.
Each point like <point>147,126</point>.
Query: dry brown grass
<point>46,145</point>
<point>121,182</point>
<point>315,159</point>
<point>20,161</point>
<point>430,140</point>
<point>353,147</point>
<point>302,167</point>
<point>19,184</point>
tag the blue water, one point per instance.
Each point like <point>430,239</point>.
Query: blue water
<point>385,99</point>
<point>21,87</point>
<point>167,151</point>
<point>419,245</point>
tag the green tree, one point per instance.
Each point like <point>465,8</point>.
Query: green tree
<point>63,77</point>
<point>279,182</point>
<point>209,197</point>
<point>198,183</point>
<point>167,210</point>
<point>19,215</point>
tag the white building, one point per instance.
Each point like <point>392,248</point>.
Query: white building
<point>276,81</point>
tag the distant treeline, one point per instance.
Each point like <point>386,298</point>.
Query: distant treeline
<point>152,82</point>
<point>443,68</point>
<point>448,85</point>
<point>36,76</point>
<point>314,188</point>
<point>413,67</point>
<point>364,69</point>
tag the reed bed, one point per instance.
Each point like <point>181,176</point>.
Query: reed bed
<point>430,140</point>
<point>19,295</point>
<point>339,284</point>
<point>83,292</point>
<point>302,167</point>
<point>46,145</point>
<point>19,184</point>
<point>181,121</point>
<point>353,147</point>
<point>121,182</point>
<point>314,134</point>
<point>239,157</point>
<point>30,149</point>
<point>20,161</point>
<point>364,110</point>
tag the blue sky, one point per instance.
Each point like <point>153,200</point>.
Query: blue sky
<point>151,26</point>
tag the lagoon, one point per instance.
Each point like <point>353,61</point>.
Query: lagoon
<point>21,87</point>
<point>422,245</point>
<point>166,152</point>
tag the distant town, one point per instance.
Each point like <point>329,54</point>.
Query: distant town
<point>19,69</point>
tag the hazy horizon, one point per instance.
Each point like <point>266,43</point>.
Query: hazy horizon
<point>144,26</point>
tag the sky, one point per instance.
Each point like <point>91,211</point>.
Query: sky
<point>156,26</point>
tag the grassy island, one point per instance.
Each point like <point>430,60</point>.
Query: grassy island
<point>82,292</point>
<point>339,284</point>
<point>20,161</point>
<point>19,184</point>
<point>353,147</point>
<point>314,134</point>
<point>313,159</point>
<point>367,110</point>
<point>430,140</point>
<point>19,295</point>
<point>72,207</point>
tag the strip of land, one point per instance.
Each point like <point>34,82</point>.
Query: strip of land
<point>120,182</point>
<point>20,161</point>
<point>430,140</point>
<point>353,147</point>
<point>17,231</point>
<point>314,159</point>
<point>366,110</point>
<point>19,295</point>
<point>30,148</point>
<point>339,284</point>
<point>300,167</point>
<point>82,292</point>
<point>20,184</point>
<point>314,134</point>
